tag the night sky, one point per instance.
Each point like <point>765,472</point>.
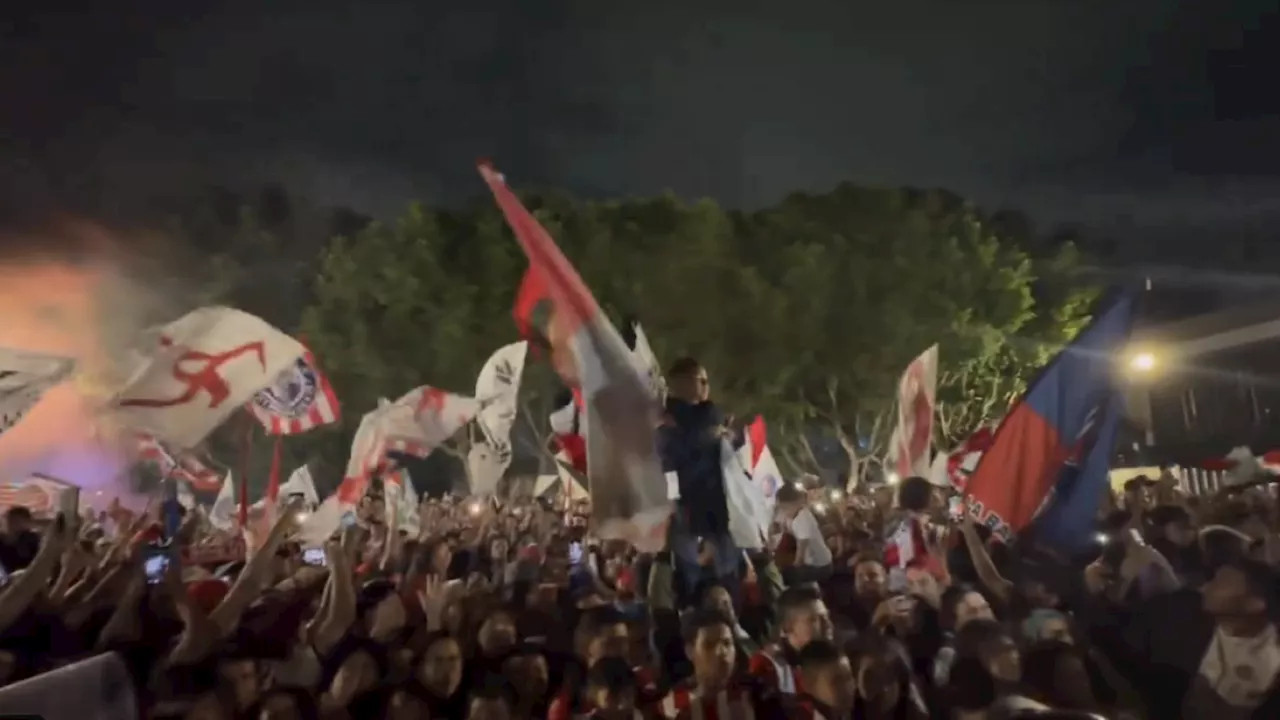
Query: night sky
<point>1142,114</point>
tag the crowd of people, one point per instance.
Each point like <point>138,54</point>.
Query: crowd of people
<point>870,605</point>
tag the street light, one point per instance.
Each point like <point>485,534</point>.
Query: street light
<point>1142,363</point>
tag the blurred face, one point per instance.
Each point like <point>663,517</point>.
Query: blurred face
<point>1002,660</point>
<point>441,556</point>
<point>497,634</point>
<point>694,387</point>
<point>878,682</point>
<point>498,549</point>
<point>1227,594</point>
<point>613,704</point>
<point>280,707</point>
<point>441,668</point>
<point>807,623</point>
<point>529,674</point>
<point>870,581</point>
<point>713,653</point>
<point>1180,533</point>
<point>1056,628</point>
<point>970,607</point>
<point>612,641</point>
<point>485,709</point>
<point>718,599</point>
<point>241,677</point>
<point>833,685</point>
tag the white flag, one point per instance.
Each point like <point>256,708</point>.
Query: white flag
<point>24,378</point>
<point>498,389</point>
<point>209,364</point>
<point>647,364</point>
<point>301,483</point>
<point>749,516</point>
<point>423,419</point>
<point>912,437</point>
<point>223,513</point>
<point>485,468</point>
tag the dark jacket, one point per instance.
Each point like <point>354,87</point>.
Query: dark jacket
<point>688,446</point>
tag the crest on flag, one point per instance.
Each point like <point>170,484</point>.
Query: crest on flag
<point>292,393</point>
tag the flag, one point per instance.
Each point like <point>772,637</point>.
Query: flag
<point>367,450</point>
<point>567,435</point>
<point>952,469</point>
<point>209,363</point>
<point>497,392</point>
<point>177,464</point>
<point>24,378</point>
<point>401,501</point>
<point>1066,522</point>
<point>1064,415</point>
<point>913,435</point>
<point>626,480</point>
<point>485,468</point>
<point>301,484</point>
<point>749,514</point>
<point>299,399</point>
<point>647,364</point>
<point>225,507</point>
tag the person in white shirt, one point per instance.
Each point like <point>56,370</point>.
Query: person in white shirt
<point>813,557</point>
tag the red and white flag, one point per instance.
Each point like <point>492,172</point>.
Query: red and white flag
<point>628,490</point>
<point>209,363</point>
<point>423,419</point>
<point>953,468</point>
<point>299,399</point>
<point>913,435</point>
<point>178,464</point>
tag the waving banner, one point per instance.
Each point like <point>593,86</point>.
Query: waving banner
<point>628,491</point>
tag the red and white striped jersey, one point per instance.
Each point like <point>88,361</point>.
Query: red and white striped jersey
<point>770,667</point>
<point>684,702</point>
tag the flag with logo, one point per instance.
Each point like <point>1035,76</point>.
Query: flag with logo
<point>209,363</point>
<point>1052,450</point>
<point>913,434</point>
<point>498,392</point>
<point>24,378</point>
<point>627,486</point>
<point>299,399</point>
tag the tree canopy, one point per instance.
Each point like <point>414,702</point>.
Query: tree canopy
<point>806,311</point>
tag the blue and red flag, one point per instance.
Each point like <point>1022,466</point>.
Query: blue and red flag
<point>1050,456</point>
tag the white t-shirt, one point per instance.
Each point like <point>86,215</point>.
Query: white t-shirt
<point>805,529</point>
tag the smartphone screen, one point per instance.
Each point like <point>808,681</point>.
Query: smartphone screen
<point>156,565</point>
<point>314,556</point>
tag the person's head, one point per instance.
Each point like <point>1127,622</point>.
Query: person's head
<point>1240,589</point>
<point>716,597</point>
<point>790,500</point>
<point>1055,673</point>
<point>601,632</point>
<point>497,633</point>
<point>881,670</point>
<point>611,688</point>
<point>915,494</point>
<point>1047,625</point>
<point>1173,525</point>
<point>687,380</point>
<point>1137,492</point>
<point>708,643</point>
<point>490,701</point>
<point>528,671</point>
<point>962,604</point>
<point>242,678</point>
<point>17,519</point>
<point>987,640</point>
<point>441,668</point>
<point>870,579</point>
<point>803,616</point>
<point>828,675</point>
<point>923,584</point>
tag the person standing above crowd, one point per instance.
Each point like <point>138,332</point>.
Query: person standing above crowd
<point>689,444</point>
